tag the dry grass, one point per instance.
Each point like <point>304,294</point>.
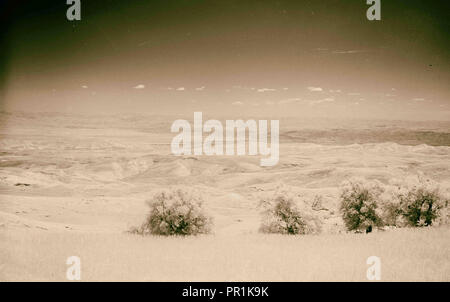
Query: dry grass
<point>406,255</point>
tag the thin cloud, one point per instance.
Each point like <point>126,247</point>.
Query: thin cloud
<point>181,89</point>
<point>266,89</point>
<point>200,88</point>
<point>315,89</point>
<point>345,52</point>
<point>84,87</point>
<point>140,86</point>
<point>325,100</point>
<point>290,100</point>
<point>237,103</point>
<point>143,43</point>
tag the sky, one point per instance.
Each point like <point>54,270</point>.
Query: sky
<point>235,58</point>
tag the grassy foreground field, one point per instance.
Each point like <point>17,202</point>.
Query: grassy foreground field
<point>406,255</point>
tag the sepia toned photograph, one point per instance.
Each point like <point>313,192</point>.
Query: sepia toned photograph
<point>225,141</point>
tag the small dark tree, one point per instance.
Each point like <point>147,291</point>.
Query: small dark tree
<point>416,201</point>
<point>359,205</point>
<point>420,205</point>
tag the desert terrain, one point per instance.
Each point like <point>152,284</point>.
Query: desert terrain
<point>73,185</point>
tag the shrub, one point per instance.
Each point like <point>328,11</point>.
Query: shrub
<point>176,211</point>
<point>359,204</point>
<point>391,213</point>
<point>281,215</point>
<point>415,202</point>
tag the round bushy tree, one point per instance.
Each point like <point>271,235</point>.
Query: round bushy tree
<point>416,201</point>
<point>359,204</point>
<point>176,211</point>
<point>281,215</point>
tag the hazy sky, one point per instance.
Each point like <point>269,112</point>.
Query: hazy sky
<point>280,58</point>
